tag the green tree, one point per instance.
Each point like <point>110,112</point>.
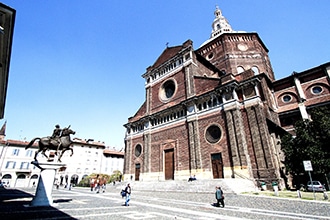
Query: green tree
<point>85,182</point>
<point>116,176</point>
<point>311,142</point>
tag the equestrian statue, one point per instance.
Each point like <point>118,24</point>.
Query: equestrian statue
<point>59,141</point>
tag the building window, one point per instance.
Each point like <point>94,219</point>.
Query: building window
<point>138,150</point>
<point>15,152</point>
<point>24,166</point>
<point>29,153</point>
<point>213,134</point>
<point>287,98</point>
<point>167,90</point>
<point>317,90</point>
<point>255,70</point>
<point>10,165</point>
<point>21,176</point>
<point>228,96</point>
<point>249,92</point>
<point>34,176</point>
<point>240,69</point>
<point>6,176</point>
<point>210,56</point>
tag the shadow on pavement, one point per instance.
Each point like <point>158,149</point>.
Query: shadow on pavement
<point>14,204</point>
<point>61,200</point>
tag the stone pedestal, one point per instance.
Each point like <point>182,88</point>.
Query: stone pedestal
<point>43,196</point>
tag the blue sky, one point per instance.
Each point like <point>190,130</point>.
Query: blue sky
<point>80,63</point>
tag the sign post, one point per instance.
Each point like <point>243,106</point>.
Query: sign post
<point>308,167</point>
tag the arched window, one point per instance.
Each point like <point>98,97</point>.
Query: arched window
<point>240,69</point>
<point>34,176</point>
<point>255,70</point>
<point>7,176</point>
<point>21,176</point>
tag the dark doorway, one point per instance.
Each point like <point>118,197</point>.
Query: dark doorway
<point>169,164</point>
<point>137,171</point>
<point>217,165</point>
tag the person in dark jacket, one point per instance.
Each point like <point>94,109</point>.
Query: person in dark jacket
<point>219,196</point>
<point>128,194</point>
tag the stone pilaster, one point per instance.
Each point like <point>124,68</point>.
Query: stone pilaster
<point>237,139</point>
<point>147,153</point>
<point>261,145</point>
<point>232,138</point>
<point>194,146</point>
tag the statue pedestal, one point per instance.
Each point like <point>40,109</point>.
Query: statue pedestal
<point>43,196</point>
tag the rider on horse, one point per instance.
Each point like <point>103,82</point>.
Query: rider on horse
<point>56,136</point>
<point>57,131</point>
<point>60,140</point>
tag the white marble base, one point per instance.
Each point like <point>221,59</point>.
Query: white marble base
<point>43,196</point>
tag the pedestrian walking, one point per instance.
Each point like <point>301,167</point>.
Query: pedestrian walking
<point>219,196</point>
<point>128,194</point>
<point>122,192</point>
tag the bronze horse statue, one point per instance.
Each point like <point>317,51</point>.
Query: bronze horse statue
<point>63,144</point>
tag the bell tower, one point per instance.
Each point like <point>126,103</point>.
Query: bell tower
<point>235,52</point>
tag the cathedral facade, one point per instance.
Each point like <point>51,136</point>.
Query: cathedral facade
<point>217,111</point>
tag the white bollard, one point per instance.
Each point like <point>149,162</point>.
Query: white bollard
<point>299,194</point>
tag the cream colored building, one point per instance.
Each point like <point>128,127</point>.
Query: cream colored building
<point>89,157</point>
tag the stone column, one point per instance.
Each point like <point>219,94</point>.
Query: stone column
<point>43,196</point>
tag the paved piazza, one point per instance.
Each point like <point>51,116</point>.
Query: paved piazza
<point>81,203</point>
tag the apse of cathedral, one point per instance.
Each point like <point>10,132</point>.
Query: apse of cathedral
<point>217,111</point>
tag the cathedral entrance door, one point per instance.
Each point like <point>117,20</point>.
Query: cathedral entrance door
<point>169,164</point>
<point>137,171</point>
<point>217,165</point>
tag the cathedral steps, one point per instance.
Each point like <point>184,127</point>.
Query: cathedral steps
<point>228,185</point>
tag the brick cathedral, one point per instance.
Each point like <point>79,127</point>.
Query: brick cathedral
<point>218,112</point>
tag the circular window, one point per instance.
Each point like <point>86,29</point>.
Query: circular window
<point>213,134</point>
<point>138,150</point>
<point>167,90</point>
<point>210,56</point>
<point>317,89</point>
<point>287,98</point>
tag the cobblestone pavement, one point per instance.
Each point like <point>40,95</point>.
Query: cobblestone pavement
<point>81,203</point>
